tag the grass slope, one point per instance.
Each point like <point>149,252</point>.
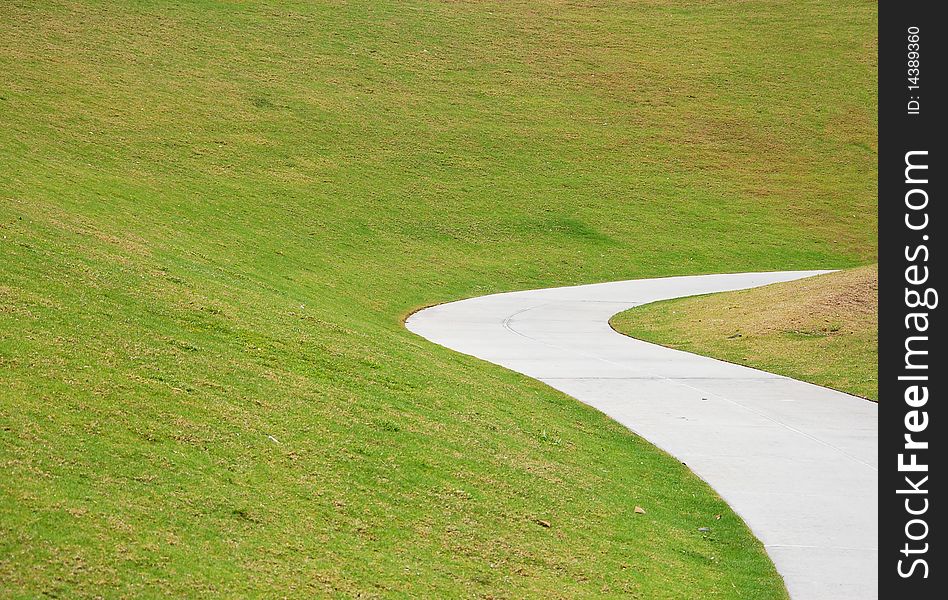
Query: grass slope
<point>215,214</point>
<point>823,329</point>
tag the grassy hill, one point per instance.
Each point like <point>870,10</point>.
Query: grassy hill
<point>214,215</point>
<point>824,330</point>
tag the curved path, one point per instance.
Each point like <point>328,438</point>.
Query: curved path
<point>796,461</point>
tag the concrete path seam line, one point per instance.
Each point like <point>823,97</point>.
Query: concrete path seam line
<point>796,461</point>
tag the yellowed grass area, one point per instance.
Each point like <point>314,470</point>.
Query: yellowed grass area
<point>822,329</point>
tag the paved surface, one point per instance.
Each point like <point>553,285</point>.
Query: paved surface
<point>797,461</point>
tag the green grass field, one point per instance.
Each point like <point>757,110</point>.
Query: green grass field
<point>214,216</point>
<point>824,329</point>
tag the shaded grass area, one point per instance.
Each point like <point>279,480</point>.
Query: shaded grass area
<point>822,329</point>
<point>214,216</point>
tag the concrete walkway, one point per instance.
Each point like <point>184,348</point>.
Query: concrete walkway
<point>797,461</point>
